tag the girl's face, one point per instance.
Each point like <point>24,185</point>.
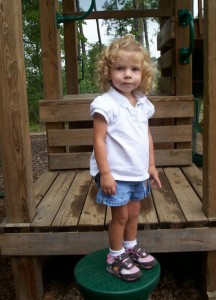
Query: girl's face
<point>126,73</point>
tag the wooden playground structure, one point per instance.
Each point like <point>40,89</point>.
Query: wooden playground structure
<point>58,215</point>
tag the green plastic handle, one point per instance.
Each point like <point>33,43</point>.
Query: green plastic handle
<point>63,19</point>
<point>185,18</point>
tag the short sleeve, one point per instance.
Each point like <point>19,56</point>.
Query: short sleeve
<point>104,106</point>
<point>149,108</point>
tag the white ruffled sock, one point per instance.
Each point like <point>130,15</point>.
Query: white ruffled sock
<point>129,244</point>
<point>116,253</point>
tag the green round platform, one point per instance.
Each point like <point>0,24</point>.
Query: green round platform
<point>95,283</point>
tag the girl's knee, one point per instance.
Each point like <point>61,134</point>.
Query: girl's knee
<point>121,219</point>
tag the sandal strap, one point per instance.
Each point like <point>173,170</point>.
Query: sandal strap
<point>139,251</point>
<point>124,262</point>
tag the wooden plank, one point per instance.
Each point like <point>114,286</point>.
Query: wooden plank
<point>186,197</point>
<point>88,98</point>
<point>42,185</point>
<point>75,137</point>
<point>48,208</point>
<point>166,35</point>
<point>81,243</point>
<point>166,60</point>
<point>78,97</point>
<point>69,213</point>
<point>125,14</point>
<point>70,137</point>
<point>66,161</point>
<point>69,110</point>
<point>173,157</point>
<point>65,111</point>
<point>168,210</point>
<point>195,176</point>
<point>147,216</point>
<point>163,157</point>
<point>167,85</point>
<point>93,214</point>
<point>163,134</point>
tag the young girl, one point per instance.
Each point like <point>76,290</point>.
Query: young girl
<point>123,157</point>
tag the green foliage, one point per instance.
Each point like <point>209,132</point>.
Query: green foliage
<point>89,84</point>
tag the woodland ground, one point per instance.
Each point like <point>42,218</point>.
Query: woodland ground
<point>181,273</point>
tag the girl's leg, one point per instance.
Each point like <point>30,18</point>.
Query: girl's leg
<point>130,232</point>
<point>117,226</point>
<point>118,262</point>
<point>136,252</point>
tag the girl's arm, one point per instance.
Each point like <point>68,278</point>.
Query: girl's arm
<point>152,169</point>
<point>107,182</point>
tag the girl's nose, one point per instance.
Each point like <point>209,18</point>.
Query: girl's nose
<point>127,73</point>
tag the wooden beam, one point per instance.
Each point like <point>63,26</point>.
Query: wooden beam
<point>51,54</point>
<point>183,71</point>
<point>209,137</point>
<point>15,143</point>
<point>73,243</point>
<point>71,52</point>
<point>14,127</point>
<point>124,14</point>
<point>51,57</point>
<point>28,283</point>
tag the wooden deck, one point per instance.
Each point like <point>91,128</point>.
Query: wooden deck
<point>66,202</point>
<point>171,218</point>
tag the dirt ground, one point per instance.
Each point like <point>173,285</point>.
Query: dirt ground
<point>180,272</point>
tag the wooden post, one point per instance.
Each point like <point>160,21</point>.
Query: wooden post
<point>165,4</point>
<point>15,142</point>
<point>209,137</point>
<point>14,127</point>
<point>51,53</point>
<point>183,72</point>
<point>70,46</point>
<point>51,59</point>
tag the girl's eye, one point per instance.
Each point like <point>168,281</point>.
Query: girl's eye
<point>119,68</point>
<point>135,69</point>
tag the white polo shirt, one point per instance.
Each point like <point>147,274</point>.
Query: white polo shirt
<point>127,142</point>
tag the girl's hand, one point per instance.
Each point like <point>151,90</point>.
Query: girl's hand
<point>154,175</point>
<point>108,184</point>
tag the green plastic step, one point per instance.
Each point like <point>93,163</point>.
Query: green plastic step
<point>95,283</point>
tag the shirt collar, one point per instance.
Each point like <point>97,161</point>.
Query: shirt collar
<point>122,100</point>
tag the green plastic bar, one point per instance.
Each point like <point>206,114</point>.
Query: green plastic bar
<point>62,19</point>
<point>185,18</point>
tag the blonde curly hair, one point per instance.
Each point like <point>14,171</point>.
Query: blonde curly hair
<point>110,55</point>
